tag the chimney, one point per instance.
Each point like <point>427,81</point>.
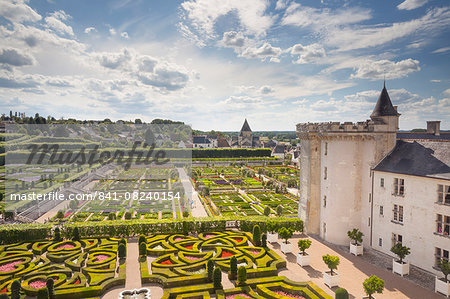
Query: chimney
<point>434,127</point>
<point>395,108</point>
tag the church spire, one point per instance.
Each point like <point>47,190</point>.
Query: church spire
<point>384,105</point>
<point>245,127</point>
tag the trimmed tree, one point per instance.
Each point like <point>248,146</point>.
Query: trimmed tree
<point>373,285</point>
<point>444,265</point>
<point>267,211</point>
<point>257,235</point>
<point>279,210</point>
<point>50,283</point>
<point>142,239</point>
<point>76,235</point>
<point>57,235</point>
<point>122,251</point>
<point>42,293</point>
<point>242,275</point>
<point>112,216</point>
<point>341,293</point>
<point>272,226</point>
<point>233,267</point>
<point>304,244</point>
<point>210,269</point>
<point>401,251</point>
<point>355,235</point>
<point>285,233</point>
<point>143,249</point>
<point>15,289</point>
<point>217,279</point>
<point>331,261</point>
<point>127,215</point>
<point>264,241</point>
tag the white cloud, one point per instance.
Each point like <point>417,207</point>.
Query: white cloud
<point>411,4</point>
<point>441,50</point>
<point>114,60</point>
<point>446,92</point>
<point>377,70</point>
<point>281,4</point>
<point>15,57</point>
<point>18,11</point>
<point>89,30</point>
<point>54,21</point>
<point>266,89</point>
<point>124,35</point>
<point>308,54</point>
<point>263,52</point>
<point>233,39</point>
<point>112,31</point>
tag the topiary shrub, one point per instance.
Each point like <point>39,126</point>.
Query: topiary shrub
<point>122,251</point>
<point>279,210</point>
<point>341,293</point>
<point>303,244</point>
<point>266,211</point>
<point>401,251</point>
<point>76,234</point>
<point>257,235</point>
<point>373,285</point>
<point>50,283</point>
<point>42,293</point>
<point>142,239</point>
<point>143,249</point>
<point>355,235</point>
<point>15,289</point>
<point>4,296</point>
<point>217,279</point>
<point>233,267</point>
<point>60,214</point>
<point>264,241</point>
<point>185,214</point>
<point>272,226</point>
<point>242,275</point>
<point>123,241</point>
<point>127,215</point>
<point>112,216</point>
<point>285,233</point>
<point>57,235</point>
<point>331,261</point>
<point>210,269</point>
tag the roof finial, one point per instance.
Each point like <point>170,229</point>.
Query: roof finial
<point>384,83</point>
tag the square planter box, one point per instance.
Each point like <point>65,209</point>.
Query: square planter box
<point>331,280</point>
<point>286,248</point>
<point>356,249</point>
<point>303,260</point>
<point>402,269</point>
<point>442,287</point>
<point>272,238</point>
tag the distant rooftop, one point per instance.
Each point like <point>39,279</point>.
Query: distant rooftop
<point>422,136</point>
<point>384,105</point>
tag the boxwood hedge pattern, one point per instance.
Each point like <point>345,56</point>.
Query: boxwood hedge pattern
<point>80,269</point>
<point>178,262</point>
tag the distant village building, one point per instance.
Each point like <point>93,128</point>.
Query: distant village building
<point>203,142</point>
<point>394,187</point>
<point>279,150</point>
<point>245,138</point>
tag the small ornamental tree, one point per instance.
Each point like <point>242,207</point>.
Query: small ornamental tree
<point>444,265</point>
<point>217,279</point>
<point>57,235</point>
<point>257,235</point>
<point>15,289</point>
<point>60,214</point>
<point>123,241</point>
<point>272,226</point>
<point>112,216</point>
<point>210,269</point>
<point>76,235</point>
<point>185,214</point>
<point>242,275</point>
<point>122,251</point>
<point>373,285</point>
<point>285,233</point>
<point>264,241</point>
<point>267,211</point>
<point>401,251</point>
<point>50,283</point>
<point>279,210</point>
<point>42,293</point>
<point>331,261</point>
<point>127,215</point>
<point>303,244</point>
<point>341,293</point>
<point>233,267</point>
<point>142,239</point>
<point>355,235</point>
<point>143,249</point>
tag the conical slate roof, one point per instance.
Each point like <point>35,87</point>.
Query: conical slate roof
<point>384,105</point>
<point>245,127</point>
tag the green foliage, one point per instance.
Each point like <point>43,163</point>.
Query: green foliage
<point>272,226</point>
<point>372,285</point>
<point>233,267</point>
<point>76,234</point>
<point>341,293</point>
<point>210,269</point>
<point>285,233</point>
<point>355,235</point>
<point>4,296</point>
<point>143,249</point>
<point>60,214</point>
<point>217,279</point>
<point>142,239</point>
<point>42,293</point>
<point>57,235</point>
<point>264,241</point>
<point>279,210</point>
<point>401,251</point>
<point>112,216</point>
<point>50,283</point>
<point>444,265</point>
<point>257,235</point>
<point>304,244</point>
<point>266,211</point>
<point>123,241</point>
<point>230,153</point>
<point>127,215</point>
<point>15,289</point>
<point>242,275</point>
<point>185,214</point>
<point>331,261</point>
<point>122,250</point>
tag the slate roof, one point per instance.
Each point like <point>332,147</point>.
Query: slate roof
<point>384,105</point>
<point>423,136</point>
<point>245,127</point>
<point>427,158</point>
<point>279,149</point>
<point>200,139</point>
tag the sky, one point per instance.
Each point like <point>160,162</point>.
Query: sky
<point>212,63</point>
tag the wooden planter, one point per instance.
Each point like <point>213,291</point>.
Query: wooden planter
<point>402,269</point>
<point>303,260</point>
<point>440,286</point>
<point>272,238</point>
<point>331,280</point>
<point>356,249</point>
<point>286,248</point>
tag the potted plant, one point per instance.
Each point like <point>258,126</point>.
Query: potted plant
<point>286,234</point>
<point>356,236</point>
<point>331,279</point>
<point>372,285</point>
<point>272,236</point>
<point>442,285</point>
<point>303,258</point>
<point>400,267</point>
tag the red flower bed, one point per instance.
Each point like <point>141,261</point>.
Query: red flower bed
<point>3,291</point>
<point>67,214</point>
<point>101,257</point>
<point>226,254</point>
<point>77,281</point>
<point>239,240</point>
<point>38,284</point>
<point>254,251</point>
<point>193,258</point>
<point>289,295</point>
<point>167,262</point>
<point>209,236</point>
<point>178,239</point>
<point>66,246</point>
<point>10,266</point>
<point>189,246</point>
<point>235,296</point>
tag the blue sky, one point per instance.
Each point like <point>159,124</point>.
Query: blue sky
<point>212,63</point>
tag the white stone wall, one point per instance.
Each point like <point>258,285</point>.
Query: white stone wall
<point>419,217</point>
